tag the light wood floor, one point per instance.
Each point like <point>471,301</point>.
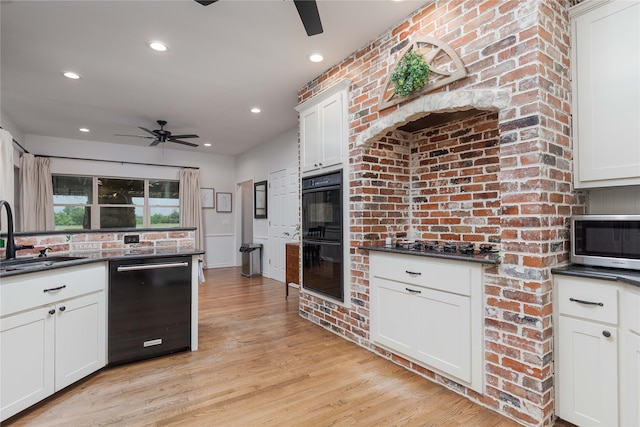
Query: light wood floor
<point>259,363</point>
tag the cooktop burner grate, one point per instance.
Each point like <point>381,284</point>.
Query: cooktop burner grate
<point>432,246</point>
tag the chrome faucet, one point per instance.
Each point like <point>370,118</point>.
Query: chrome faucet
<point>11,244</point>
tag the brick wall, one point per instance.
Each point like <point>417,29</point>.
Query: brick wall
<point>104,241</point>
<point>521,199</point>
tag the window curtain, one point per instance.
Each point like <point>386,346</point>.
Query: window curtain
<point>36,194</point>
<point>190,203</point>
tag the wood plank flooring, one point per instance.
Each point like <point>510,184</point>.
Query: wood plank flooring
<point>259,364</point>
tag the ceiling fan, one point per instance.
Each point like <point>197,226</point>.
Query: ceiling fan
<point>161,135</point>
<point>307,9</point>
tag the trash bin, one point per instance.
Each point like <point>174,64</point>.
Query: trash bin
<point>251,259</point>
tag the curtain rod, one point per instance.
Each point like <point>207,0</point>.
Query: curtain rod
<point>117,161</point>
<point>24,150</point>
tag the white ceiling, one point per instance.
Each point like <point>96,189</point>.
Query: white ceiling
<point>223,59</point>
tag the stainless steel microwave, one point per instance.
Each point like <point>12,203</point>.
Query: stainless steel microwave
<point>606,240</point>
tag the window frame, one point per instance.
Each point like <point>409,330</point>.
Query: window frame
<point>95,206</point>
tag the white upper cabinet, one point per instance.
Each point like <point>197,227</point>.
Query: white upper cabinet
<point>323,128</point>
<point>606,93</point>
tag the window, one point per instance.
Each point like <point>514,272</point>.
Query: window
<point>84,202</point>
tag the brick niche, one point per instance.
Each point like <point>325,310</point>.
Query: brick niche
<point>501,176</point>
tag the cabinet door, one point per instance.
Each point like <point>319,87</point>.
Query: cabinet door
<point>26,360</point>
<point>391,316</point>
<point>588,373</point>
<point>443,332</point>
<point>80,338</point>
<point>331,130</point>
<point>607,94</point>
<point>630,399</point>
<point>310,139</point>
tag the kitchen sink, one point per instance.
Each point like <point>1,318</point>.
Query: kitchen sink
<point>34,263</point>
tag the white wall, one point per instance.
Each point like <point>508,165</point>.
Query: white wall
<point>256,164</point>
<point>216,172</point>
<point>223,173</point>
<point>9,125</point>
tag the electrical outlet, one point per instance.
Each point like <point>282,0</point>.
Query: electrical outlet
<point>132,238</point>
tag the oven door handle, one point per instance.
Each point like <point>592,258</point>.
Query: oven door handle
<point>122,268</point>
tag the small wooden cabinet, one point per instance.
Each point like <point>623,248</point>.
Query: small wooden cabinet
<point>606,93</point>
<point>293,264</point>
<point>52,331</point>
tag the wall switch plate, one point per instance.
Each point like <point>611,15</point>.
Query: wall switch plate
<point>132,238</point>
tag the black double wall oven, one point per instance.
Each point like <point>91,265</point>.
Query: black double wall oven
<point>322,235</point>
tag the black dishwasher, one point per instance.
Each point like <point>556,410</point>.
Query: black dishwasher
<point>149,308</point>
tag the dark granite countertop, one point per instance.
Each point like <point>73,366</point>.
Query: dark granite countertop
<point>631,277</point>
<point>490,258</point>
<point>87,257</point>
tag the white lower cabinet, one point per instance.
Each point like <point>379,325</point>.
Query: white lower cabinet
<point>631,382</point>
<point>588,373</point>
<point>26,360</point>
<point>80,338</point>
<point>46,347</point>
<point>597,351</point>
<point>430,311</point>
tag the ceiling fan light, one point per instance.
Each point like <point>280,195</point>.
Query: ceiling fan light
<point>71,75</point>
<point>85,130</point>
<point>255,110</point>
<point>207,144</point>
<point>316,57</point>
<point>158,46</point>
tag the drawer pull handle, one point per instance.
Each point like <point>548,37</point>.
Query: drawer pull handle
<point>137,267</point>
<point>414,291</point>
<point>414,273</point>
<point>606,334</point>
<point>579,301</point>
<point>55,289</point>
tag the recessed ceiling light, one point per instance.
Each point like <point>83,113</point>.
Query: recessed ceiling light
<point>316,57</point>
<point>71,75</point>
<point>84,130</point>
<point>255,110</point>
<point>158,46</point>
<point>206,144</point>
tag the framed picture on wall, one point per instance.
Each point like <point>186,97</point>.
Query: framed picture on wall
<point>223,202</point>
<point>260,199</point>
<point>206,196</point>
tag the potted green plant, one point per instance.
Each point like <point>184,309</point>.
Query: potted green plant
<point>411,74</point>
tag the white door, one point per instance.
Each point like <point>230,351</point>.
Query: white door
<point>283,216</point>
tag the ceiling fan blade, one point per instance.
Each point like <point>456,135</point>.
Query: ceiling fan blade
<point>206,2</point>
<point>155,135</point>
<point>190,144</point>
<point>308,11</point>
<point>135,136</point>
<point>154,143</point>
<point>184,136</point>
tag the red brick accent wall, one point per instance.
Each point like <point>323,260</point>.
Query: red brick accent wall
<point>513,171</point>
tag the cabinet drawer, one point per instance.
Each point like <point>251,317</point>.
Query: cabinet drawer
<point>589,299</point>
<point>450,276</point>
<point>26,291</point>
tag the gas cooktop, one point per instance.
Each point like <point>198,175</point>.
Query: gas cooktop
<point>433,246</point>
